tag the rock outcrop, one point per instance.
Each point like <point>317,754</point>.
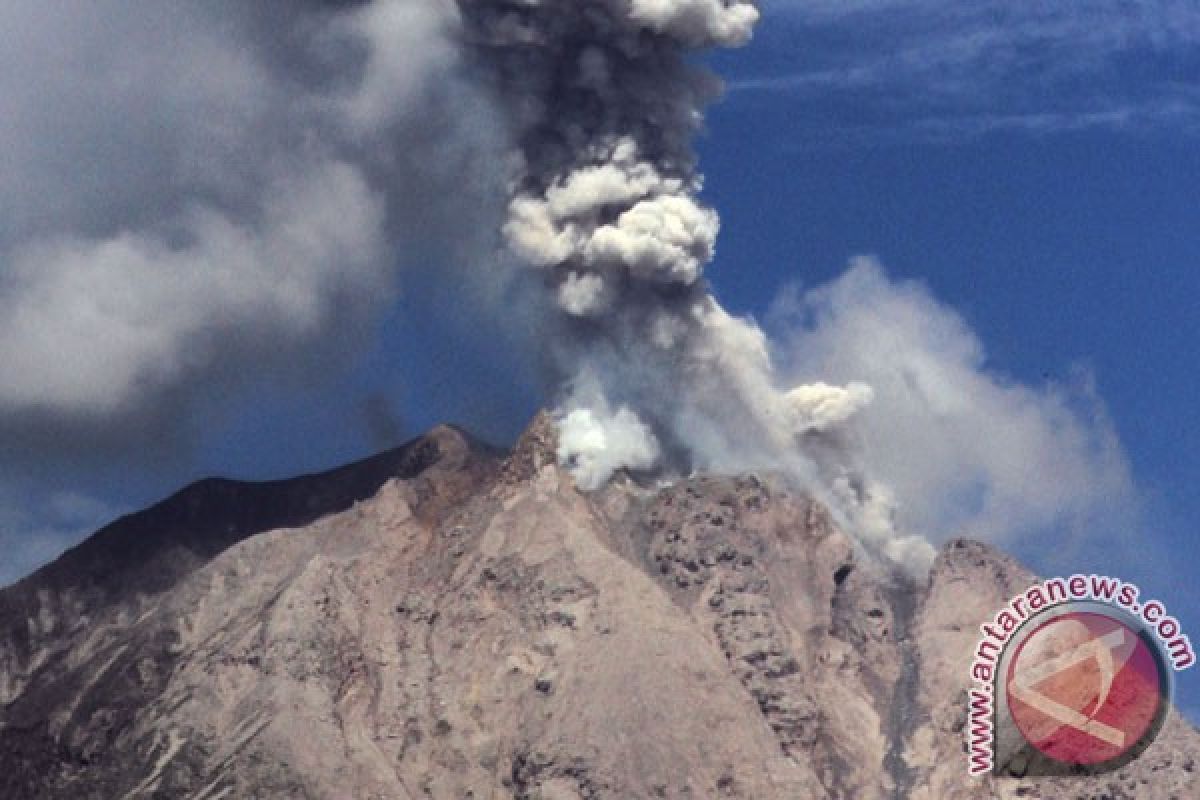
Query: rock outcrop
<point>444,621</point>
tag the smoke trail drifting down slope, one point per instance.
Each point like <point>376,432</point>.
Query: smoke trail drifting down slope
<point>604,102</point>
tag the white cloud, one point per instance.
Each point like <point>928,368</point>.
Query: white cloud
<point>963,449</point>
<point>699,22</point>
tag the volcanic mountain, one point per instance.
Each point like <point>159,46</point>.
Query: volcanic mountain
<point>446,620</point>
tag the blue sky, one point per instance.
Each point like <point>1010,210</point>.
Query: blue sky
<point>1037,169</point>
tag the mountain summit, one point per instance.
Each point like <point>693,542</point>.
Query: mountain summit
<point>448,621</point>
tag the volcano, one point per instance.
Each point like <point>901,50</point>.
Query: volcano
<point>449,620</point>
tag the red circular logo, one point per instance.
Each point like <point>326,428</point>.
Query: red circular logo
<point>1085,688</point>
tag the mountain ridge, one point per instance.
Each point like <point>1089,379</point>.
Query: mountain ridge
<point>261,504</point>
<point>477,627</point>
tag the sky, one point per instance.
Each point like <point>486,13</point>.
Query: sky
<point>1022,178</point>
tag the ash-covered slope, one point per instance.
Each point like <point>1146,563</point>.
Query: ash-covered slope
<point>475,627</point>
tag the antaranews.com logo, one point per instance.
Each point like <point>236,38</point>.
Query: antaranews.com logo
<point>1072,677</point>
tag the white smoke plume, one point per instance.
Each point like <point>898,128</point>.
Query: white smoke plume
<point>595,441</point>
<point>916,442</point>
<point>193,189</point>
<point>966,449</point>
<point>604,100</point>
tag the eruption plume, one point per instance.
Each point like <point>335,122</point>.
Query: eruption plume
<point>604,99</point>
<point>196,191</point>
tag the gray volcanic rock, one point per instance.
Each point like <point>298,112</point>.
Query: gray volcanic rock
<point>445,622</point>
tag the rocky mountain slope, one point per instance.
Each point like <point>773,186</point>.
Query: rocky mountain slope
<point>445,621</point>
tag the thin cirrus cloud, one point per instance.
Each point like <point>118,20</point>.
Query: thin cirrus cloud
<point>918,68</point>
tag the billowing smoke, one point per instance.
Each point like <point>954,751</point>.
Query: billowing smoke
<point>193,190</point>
<point>965,449</point>
<point>604,99</point>
<point>914,441</point>
<point>189,187</point>
<point>200,199</point>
